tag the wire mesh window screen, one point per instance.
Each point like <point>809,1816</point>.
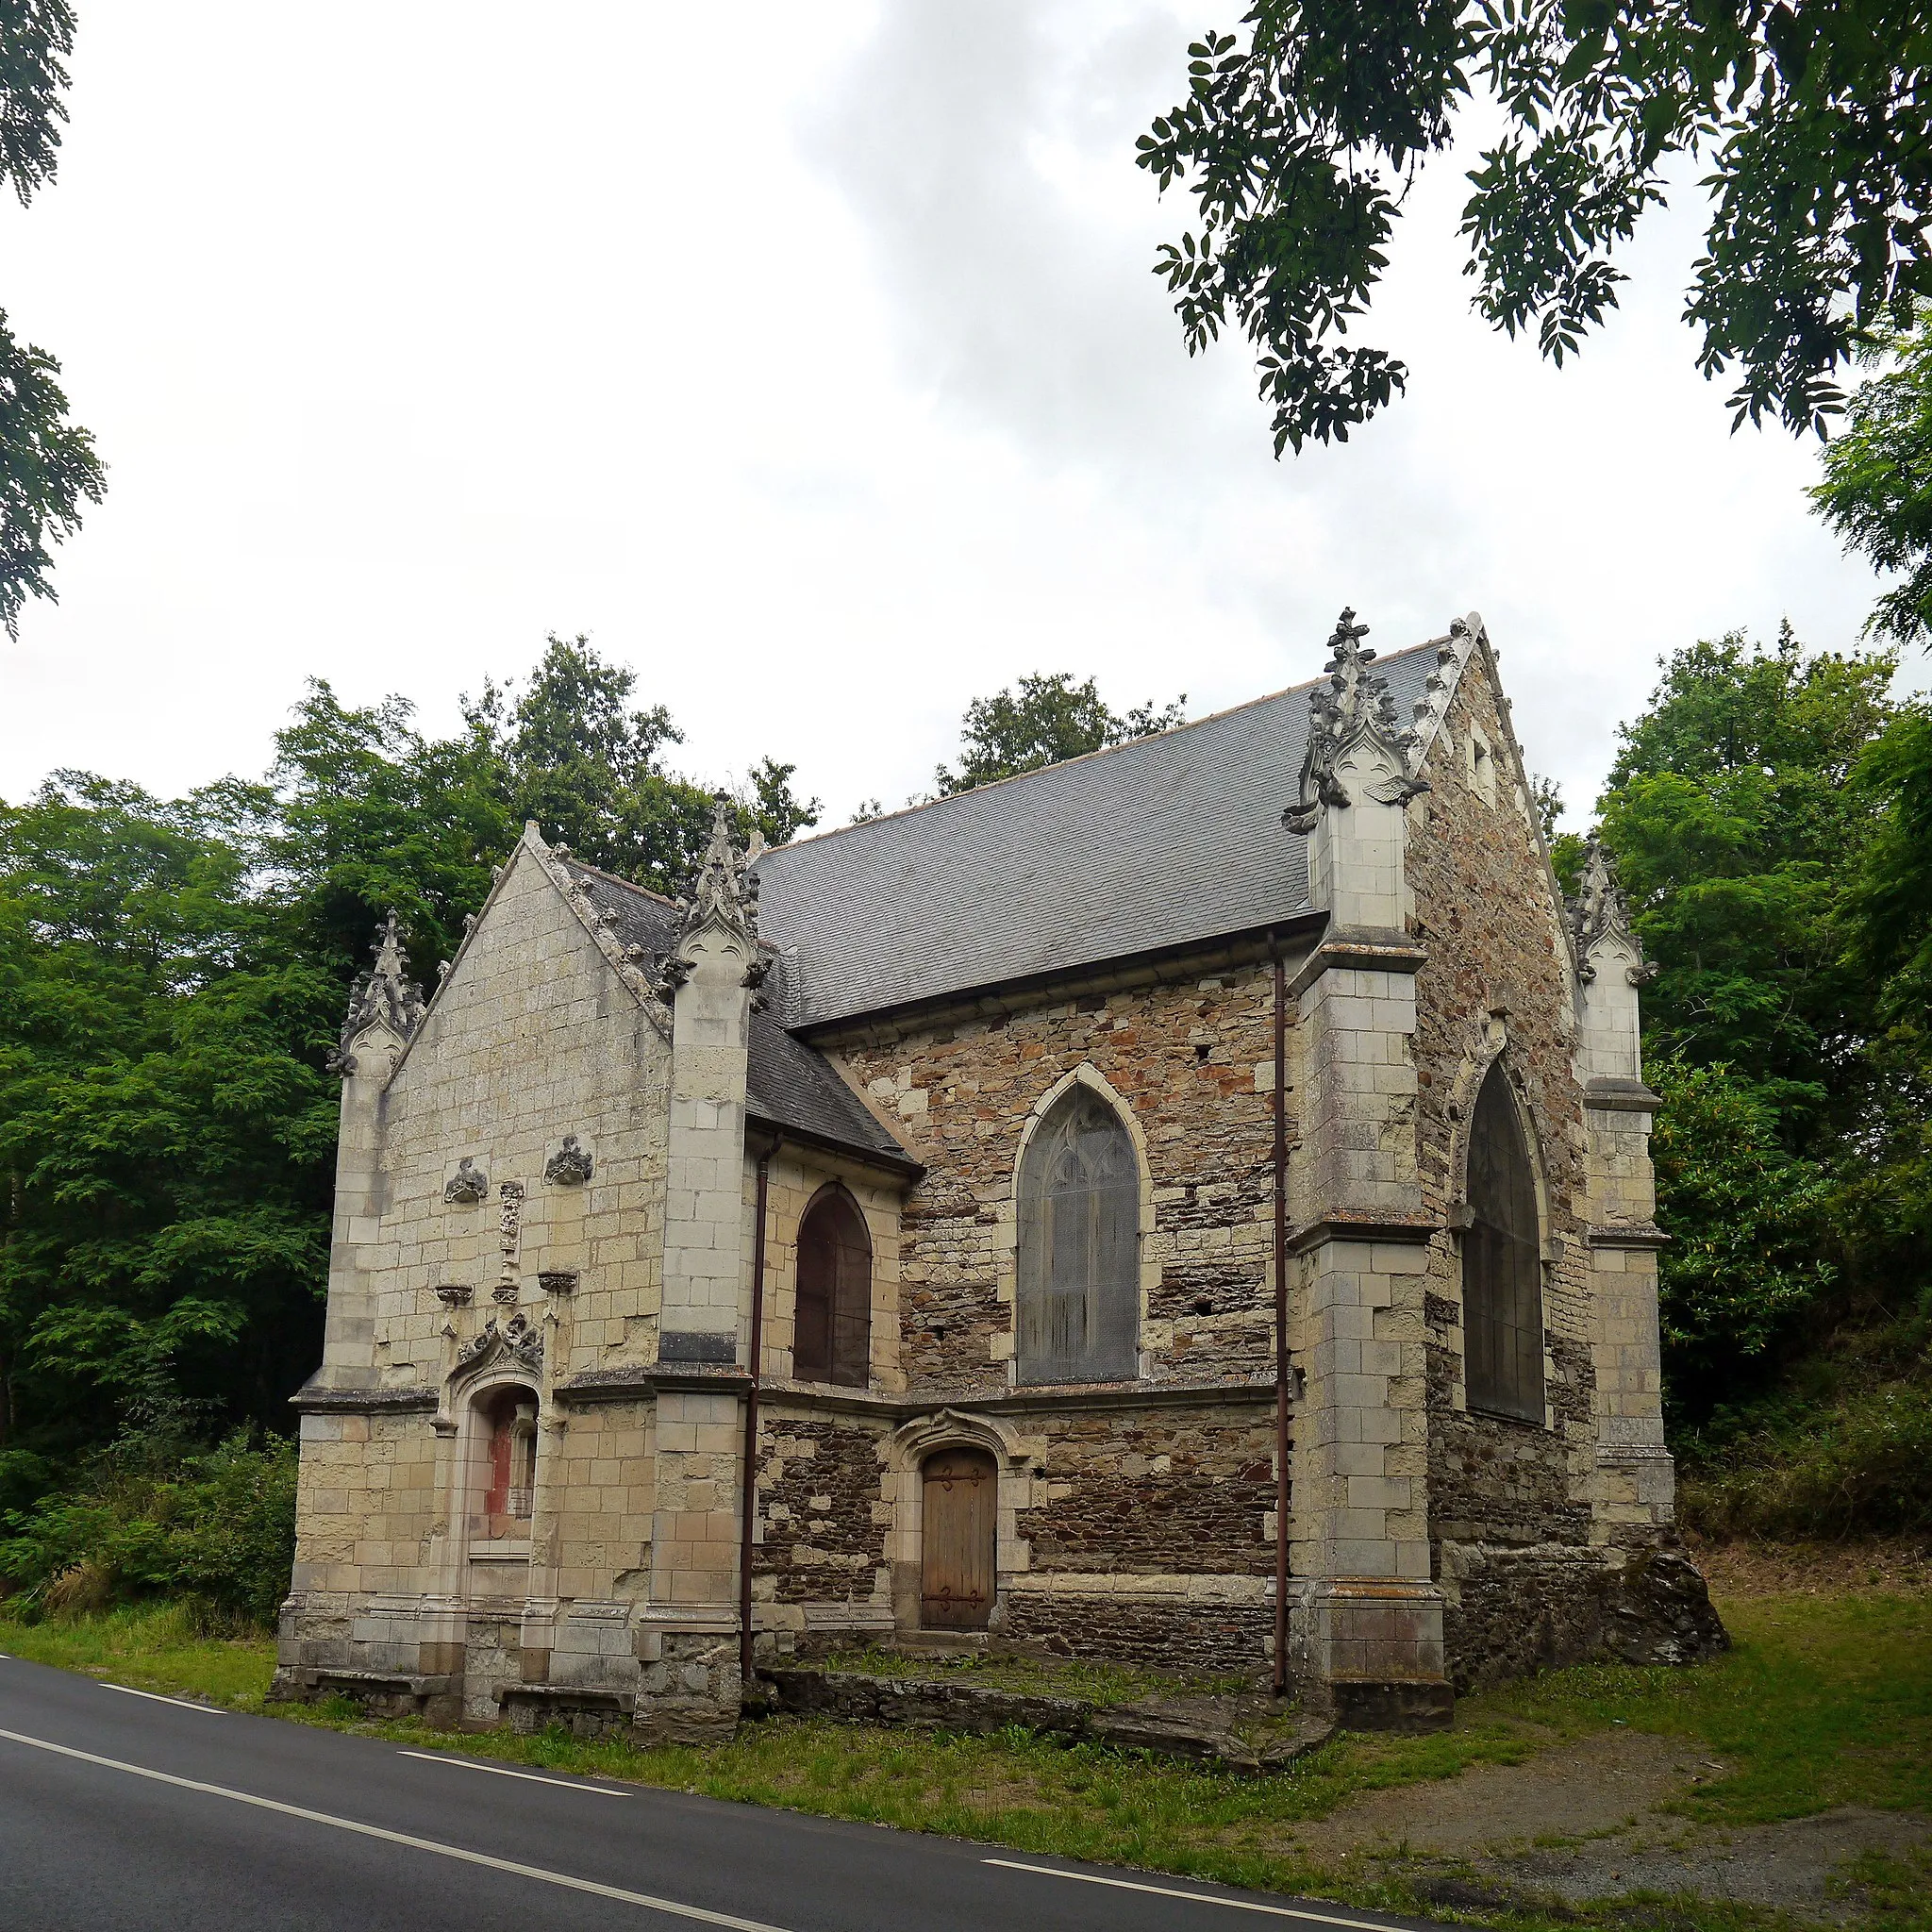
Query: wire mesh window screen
<point>832,1340</point>
<point>1501,1264</point>
<point>1079,1260</point>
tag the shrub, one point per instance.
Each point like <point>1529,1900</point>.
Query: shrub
<point>150,1518</point>
<point>1860,1466</point>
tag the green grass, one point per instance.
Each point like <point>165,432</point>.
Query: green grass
<point>153,1648</point>
<point>1826,1701</point>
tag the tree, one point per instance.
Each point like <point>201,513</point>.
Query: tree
<point>1300,136</point>
<point>1051,720</point>
<point>1769,814</point>
<point>1877,487</point>
<point>166,1126</point>
<point>570,754</point>
<point>47,464</point>
<point>172,974</point>
<point>1734,828</point>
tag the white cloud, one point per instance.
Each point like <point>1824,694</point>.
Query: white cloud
<point>810,359</point>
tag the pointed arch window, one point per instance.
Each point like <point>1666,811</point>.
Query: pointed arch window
<point>832,1339</point>
<point>1079,1254</point>
<point>1502,1263</point>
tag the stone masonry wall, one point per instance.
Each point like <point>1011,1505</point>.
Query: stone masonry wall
<point>823,1514</point>
<point>1153,1493</point>
<point>533,1037</point>
<point>1195,1059</point>
<point>1508,1501</point>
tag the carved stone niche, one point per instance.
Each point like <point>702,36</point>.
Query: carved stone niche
<point>570,1166</point>
<point>557,1280</point>
<point>468,1186</point>
<point>454,1295</point>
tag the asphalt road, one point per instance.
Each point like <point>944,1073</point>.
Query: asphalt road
<point>120,1810</point>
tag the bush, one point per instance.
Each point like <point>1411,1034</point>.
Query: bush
<point>150,1518</point>
<point>1861,1466</point>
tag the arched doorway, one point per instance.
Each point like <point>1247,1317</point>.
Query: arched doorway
<point>959,1526</point>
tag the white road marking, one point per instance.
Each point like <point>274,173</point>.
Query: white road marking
<point>1199,1898</point>
<point>155,1697</point>
<point>562,1783</point>
<point>670,1906</point>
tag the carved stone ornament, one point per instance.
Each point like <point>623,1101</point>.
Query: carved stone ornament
<point>724,894</point>
<point>467,1186</point>
<point>557,1280</point>
<point>515,1339</point>
<point>570,1166</point>
<point>511,1235</point>
<point>1599,912</point>
<point>388,997</point>
<point>1351,707</point>
<point>454,1295</point>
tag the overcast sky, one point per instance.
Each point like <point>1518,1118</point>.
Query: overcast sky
<point>807,358</point>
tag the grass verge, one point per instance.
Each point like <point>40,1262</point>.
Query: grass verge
<point>1824,1700</point>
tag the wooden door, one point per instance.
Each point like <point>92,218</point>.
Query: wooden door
<point>961,1518</point>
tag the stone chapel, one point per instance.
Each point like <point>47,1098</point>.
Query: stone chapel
<point>1188,1204</point>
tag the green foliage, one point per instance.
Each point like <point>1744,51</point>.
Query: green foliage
<point>1745,1218</point>
<point>1300,136</point>
<point>1877,486</point>
<point>1734,829</point>
<point>1840,1445</point>
<point>36,39</point>
<point>569,755</point>
<point>47,464</point>
<point>166,1130</point>
<point>1769,815</point>
<point>1049,720</point>
<point>149,1517</point>
<point>173,975</point>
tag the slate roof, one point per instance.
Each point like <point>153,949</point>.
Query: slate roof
<point>1169,840</point>
<point>791,1084</point>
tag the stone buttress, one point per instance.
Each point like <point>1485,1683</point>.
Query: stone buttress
<point>1369,1615</point>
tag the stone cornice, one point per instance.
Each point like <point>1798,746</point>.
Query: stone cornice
<point>1368,949</point>
<point>1411,1231</point>
<point>643,1383</point>
<point>1609,1096</point>
<point>1626,1234</point>
<point>314,1401</point>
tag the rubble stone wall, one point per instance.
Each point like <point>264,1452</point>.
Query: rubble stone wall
<point>1516,1492</point>
<point>1193,1056</point>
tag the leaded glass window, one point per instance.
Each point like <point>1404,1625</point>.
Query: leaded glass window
<point>1501,1264</point>
<point>1079,1260</point>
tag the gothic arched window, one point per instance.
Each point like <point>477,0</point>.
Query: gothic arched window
<point>1501,1264</point>
<point>832,1339</point>
<point>1079,1272</point>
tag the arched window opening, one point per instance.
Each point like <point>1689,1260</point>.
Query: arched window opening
<point>509,1467</point>
<point>832,1337</point>
<point>1079,1260</point>
<point>1501,1264</point>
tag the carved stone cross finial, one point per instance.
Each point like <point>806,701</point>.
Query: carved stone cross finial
<point>1353,709</point>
